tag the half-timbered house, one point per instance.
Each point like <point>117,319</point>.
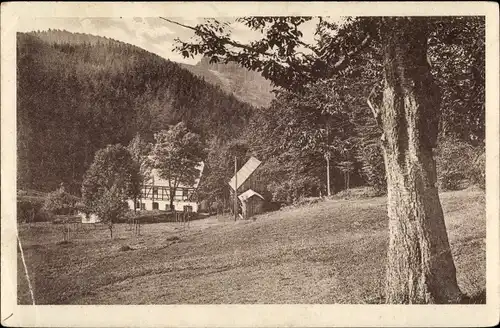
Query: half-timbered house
<point>156,194</point>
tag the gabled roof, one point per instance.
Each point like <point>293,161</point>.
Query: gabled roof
<point>248,194</point>
<point>245,172</point>
<point>157,181</point>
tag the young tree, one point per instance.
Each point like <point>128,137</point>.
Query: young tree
<point>176,154</point>
<point>111,206</point>
<point>112,178</point>
<point>140,149</point>
<point>405,104</point>
<point>346,167</point>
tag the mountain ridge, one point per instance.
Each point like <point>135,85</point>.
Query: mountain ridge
<point>246,85</point>
<point>77,93</point>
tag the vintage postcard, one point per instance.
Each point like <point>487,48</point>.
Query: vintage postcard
<point>253,164</point>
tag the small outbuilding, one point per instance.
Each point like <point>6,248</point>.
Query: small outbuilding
<point>249,186</point>
<point>252,203</point>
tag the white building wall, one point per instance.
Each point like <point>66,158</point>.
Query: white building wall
<point>163,205</point>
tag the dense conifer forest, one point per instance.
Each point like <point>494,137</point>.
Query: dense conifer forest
<point>77,93</point>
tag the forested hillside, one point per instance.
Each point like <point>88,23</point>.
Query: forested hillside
<point>246,85</point>
<point>77,93</point>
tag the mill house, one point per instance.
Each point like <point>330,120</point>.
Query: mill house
<point>156,194</point>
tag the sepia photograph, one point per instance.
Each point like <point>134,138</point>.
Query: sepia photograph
<point>226,158</point>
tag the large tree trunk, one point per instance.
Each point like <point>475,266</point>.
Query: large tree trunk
<point>420,264</point>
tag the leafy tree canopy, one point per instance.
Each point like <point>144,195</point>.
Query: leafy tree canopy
<point>113,172</point>
<point>176,155</point>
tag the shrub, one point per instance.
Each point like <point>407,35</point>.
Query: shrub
<point>31,211</point>
<point>459,164</point>
<point>280,192</point>
<point>60,202</point>
<point>477,174</point>
<point>294,189</point>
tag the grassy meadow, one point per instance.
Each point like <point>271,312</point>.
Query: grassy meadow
<point>332,251</point>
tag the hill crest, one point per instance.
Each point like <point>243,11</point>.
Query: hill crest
<point>77,93</point>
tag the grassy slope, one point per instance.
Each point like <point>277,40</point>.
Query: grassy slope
<point>330,252</point>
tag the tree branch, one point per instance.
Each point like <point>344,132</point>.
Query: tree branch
<point>224,41</point>
<point>180,24</point>
<point>342,62</point>
<point>337,66</point>
<point>371,101</point>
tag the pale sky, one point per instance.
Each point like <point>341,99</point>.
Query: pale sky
<point>150,33</point>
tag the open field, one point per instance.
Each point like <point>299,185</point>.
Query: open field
<point>330,252</point>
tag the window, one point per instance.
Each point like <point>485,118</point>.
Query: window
<point>185,193</point>
<point>137,205</point>
<point>155,206</point>
<point>188,208</point>
<point>143,206</point>
<point>155,191</point>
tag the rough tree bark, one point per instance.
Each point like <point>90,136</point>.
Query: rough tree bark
<point>420,264</point>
